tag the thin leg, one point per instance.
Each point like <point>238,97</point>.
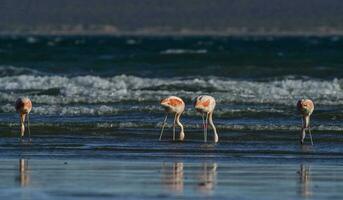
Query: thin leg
<point>303,131</point>
<point>163,125</point>
<point>309,130</point>
<point>203,126</point>
<point>174,126</point>
<point>303,135</point>
<point>28,126</point>
<point>22,126</point>
<point>21,135</point>
<point>206,125</point>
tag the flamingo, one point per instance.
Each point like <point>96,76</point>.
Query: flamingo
<point>205,105</point>
<point>175,105</point>
<point>305,107</point>
<point>23,106</point>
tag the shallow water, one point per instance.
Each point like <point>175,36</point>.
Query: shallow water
<point>133,164</point>
<point>105,179</point>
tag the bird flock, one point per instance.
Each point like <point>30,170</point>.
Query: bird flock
<point>204,104</point>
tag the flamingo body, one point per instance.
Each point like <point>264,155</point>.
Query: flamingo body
<point>23,105</point>
<point>173,104</point>
<point>305,107</point>
<point>205,104</point>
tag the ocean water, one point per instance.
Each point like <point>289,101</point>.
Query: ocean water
<point>117,82</point>
<point>96,100</point>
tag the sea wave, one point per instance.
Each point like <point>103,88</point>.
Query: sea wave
<point>45,89</point>
<point>95,95</point>
<point>87,109</point>
<point>8,70</point>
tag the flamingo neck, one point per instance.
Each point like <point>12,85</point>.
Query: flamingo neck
<point>182,133</point>
<point>22,126</point>
<point>210,119</point>
<point>306,121</point>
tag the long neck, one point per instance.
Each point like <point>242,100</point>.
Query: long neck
<point>182,133</point>
<point>22,126</point>
<point>210,119</point>
<point>306,121</point>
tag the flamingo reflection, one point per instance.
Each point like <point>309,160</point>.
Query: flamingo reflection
<point>23,177</point>
<point>208,178</point>
<point>173,177</point>
<point>304,181</point>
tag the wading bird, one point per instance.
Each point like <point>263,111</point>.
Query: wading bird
<point>23,106</point>
<point>175,105</point>
<point>305,107</point>
<point>205,105</point>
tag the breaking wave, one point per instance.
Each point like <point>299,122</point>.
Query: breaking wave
<point>126,101</point>
<point>53,90</point>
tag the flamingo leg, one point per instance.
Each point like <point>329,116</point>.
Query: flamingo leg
<point>203,126</point>
<point>22,127</point>
<point>303,132</point>
<point>206,125</point>
<point>303,135</point>
<point>163,125</point>
<point>28,126</point>
<point>174,126</point>
<point>309,131</point>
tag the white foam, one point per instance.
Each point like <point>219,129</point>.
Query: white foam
<point>99,90</point>
<point>131,42</point>
<point>184,51</point>
<point>31,40</point>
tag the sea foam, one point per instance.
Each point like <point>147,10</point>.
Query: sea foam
<point>78,94</point>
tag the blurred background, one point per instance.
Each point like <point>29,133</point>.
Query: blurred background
<point>200,17</point>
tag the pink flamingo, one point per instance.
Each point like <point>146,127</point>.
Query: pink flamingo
<point>305,107</point>
<point>175,105</point>
<point>205,104</point>
<point>23,106</point>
